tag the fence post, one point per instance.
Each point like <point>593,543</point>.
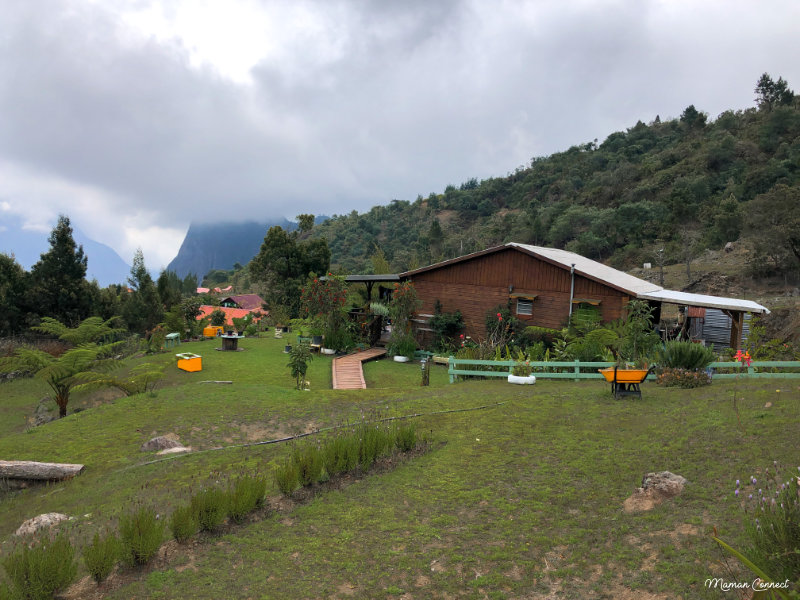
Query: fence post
<point>577,370</point>
<point>450,367</point>
<point>750,371</point>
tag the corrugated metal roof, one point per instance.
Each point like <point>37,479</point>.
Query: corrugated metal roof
<point>592,268</point>
<point>685,298</point>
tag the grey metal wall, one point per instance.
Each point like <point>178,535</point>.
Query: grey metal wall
<point>717,328</point>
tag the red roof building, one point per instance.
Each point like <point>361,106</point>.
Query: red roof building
<point>247,301</point>
<point>230,313</point>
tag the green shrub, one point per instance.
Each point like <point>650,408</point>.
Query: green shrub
<point>446,328</point>
<point>287,476</point>
<point>140,534</point>
<point>374,444</point>
<point>685,355</point>
<point>534,334</point>
<point>245,495</point>
<point>406,437</point>
<point>41,570</point>
<point>183,523</point>
<point>340,453</point>
<point>310,464</point>
<point>101,555</point>
<point>403,345</point>
<point>210,507</point>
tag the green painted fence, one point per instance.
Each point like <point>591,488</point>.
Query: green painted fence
<point>462,367</point>
<point>541,369</point>
<point>759,368</point>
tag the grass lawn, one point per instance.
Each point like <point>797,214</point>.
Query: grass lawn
<point>521,499</point>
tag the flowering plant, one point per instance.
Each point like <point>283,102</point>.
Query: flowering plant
<point>522,369</point>
<point>745,360</point>
<point>774,525</point>
<point>684,378</point>
<point>324,302</point>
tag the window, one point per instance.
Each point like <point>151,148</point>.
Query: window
<point>524,307</point>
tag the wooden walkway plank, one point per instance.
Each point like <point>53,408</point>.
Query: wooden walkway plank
<point>348,373</point>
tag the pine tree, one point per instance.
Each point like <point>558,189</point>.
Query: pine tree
<point>13,292</point>
<point>59,287</point>
<point>142,309</point>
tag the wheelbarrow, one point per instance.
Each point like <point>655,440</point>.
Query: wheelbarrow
<point>625,382</point>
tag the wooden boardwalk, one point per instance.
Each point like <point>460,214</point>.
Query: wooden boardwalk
<point>347,371</point>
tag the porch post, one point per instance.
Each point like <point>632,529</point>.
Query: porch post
<point>737,324</point>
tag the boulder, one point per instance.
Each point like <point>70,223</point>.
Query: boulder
<point>161,442</point>
<point>176,450</point>
<point>656,487</point>
<point>44,413</point>
<point>40,522</point>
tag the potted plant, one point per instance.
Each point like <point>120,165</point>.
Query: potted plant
<point>316,330</point>
<point>521,374</point>
<point>403,348</point>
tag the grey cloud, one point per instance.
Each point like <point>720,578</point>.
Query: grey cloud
<point>390,100</point>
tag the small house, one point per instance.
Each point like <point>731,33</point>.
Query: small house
<point>543,286</point>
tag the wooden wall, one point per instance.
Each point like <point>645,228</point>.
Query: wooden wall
<point>478,285</point>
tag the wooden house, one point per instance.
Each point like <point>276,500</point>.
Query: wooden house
<point>542,287</point>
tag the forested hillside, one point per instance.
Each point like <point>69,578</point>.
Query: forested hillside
<point>681,185</point>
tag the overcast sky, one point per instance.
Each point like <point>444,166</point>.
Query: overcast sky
<point>136,117</point>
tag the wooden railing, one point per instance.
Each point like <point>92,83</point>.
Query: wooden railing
<point>757,369</point>
<point>461,367</point>
<point>541,369</point>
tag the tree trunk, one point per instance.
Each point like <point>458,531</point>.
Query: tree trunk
<point>26,469</point>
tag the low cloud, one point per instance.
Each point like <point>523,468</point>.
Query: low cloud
<point>136,118</point>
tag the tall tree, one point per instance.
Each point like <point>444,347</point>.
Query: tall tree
<point>58,280</point>
<point>305,222</point>
<point>773,219</point>
<point>142,309</point>
<point>13,286</point>
<point>169,288</point>
<point>283,264</point>
<point>770,93</point>
<point>189,284</point>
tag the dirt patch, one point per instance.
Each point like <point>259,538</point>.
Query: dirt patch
<point>422,581</point>
<point>256,432</point>
<point>348,589</point>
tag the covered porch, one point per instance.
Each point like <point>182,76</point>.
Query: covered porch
<point>734,309</point>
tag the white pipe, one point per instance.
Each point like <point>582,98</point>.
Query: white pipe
<point>571,289</point>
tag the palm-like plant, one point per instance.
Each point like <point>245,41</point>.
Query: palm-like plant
<point>62,372</point>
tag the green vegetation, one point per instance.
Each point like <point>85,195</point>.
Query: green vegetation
<point>681,185</point>
<point>285,261</point>
<point>773,525</point>
<point>100,557</point>
<point>501,490</point>
<point>210,507</point>
<point>37,572</point>
<point>685,355</point>
<point>141,534</point>
<point>183,523</point>
<point>88,359</point>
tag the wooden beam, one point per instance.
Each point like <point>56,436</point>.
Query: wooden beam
<point>737,326</point>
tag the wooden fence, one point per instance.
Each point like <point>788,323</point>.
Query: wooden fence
<point>577,370</point>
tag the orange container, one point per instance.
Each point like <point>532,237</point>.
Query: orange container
<point>624,375</point>
<point>190,362</point>
<point>213,331</point>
